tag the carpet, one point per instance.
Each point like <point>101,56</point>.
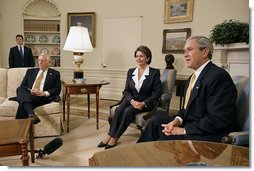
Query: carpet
<point>78,145</point>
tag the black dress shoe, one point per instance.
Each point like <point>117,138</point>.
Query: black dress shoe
<point>35,118</point>
<point>102,144</point>
<point>109,146</point>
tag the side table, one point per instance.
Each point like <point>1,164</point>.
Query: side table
<point>89,87</point>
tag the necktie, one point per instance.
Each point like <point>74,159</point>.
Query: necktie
<point>21,52</point>
<point>38,80</point>
<point>189,89</point>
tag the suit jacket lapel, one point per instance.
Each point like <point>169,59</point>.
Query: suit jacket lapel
<point>33,76</point>
<point>195,89</point>
<point>48,77</point>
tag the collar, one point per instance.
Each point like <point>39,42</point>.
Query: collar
<point>200,69</point>
<point>146,72</point>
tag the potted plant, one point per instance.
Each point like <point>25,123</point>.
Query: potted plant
<point>230,31</point>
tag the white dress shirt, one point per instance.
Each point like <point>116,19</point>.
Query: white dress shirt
<point>138,83</point>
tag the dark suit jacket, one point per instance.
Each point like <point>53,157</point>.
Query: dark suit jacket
<point>15,59</point>
<point>150,90</point>
<point>212,104</point>
<point>52,82</point>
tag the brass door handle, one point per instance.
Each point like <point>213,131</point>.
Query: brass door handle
<point>83,90</point>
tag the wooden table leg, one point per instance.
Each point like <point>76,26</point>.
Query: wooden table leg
<point>68,112</point>
<point>64,98</point>
<point>24,152</point>
<point>97,108</point>
<point>31,138</point>
<point>88,105</point>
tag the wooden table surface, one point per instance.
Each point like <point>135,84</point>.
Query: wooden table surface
<point>173,153</point>
<point>14,138</point>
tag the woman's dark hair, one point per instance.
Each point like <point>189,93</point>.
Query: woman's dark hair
<point>146,51</point>
<point>169,59</point>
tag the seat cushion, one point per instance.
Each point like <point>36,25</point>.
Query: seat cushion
<point>139,120</point>
<point>48,109</point>
<point>9,108</point>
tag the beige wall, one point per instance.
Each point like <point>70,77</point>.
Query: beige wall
<point>206,14</point>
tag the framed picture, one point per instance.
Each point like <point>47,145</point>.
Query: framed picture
<point>177,11</point>
<point>174,40</point>
<point>85,19</point>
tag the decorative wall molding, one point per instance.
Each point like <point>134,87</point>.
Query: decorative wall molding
<point>117,79</point>
<point>41,9</point>
<point>234,58</point>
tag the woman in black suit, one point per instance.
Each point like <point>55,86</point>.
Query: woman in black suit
<point>142,90</point>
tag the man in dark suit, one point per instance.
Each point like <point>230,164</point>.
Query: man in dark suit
<point>40,86</point>
<point>210,111</point>
<point>20,55</point>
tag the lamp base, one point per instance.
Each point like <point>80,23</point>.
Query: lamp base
<point>79,77</point>
<point>78,74</point>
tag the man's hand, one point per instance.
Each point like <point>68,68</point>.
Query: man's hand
<point>172,128</point>
<point>37,92</point>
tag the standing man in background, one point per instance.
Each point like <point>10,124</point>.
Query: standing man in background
<point>20,55</point>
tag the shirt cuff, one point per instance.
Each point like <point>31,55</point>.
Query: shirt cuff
<point>145,104</point>
<point>47,93</point>
<point>184,132</point>
<point>179,119</point>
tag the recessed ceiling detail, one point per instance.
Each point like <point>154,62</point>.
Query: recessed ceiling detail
<point>41,8</point>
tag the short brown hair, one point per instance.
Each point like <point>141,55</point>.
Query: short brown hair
<point>146,51</point>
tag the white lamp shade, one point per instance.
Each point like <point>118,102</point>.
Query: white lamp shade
<point>78,40</point>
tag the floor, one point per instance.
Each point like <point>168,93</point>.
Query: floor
<point>81,142</point>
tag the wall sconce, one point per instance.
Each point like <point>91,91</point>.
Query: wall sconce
<point>78,41</point>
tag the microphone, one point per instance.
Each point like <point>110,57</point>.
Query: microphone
<point>49,148</point>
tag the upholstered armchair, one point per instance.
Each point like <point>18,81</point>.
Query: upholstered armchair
<point>243,90</point>
<point>168,78</point>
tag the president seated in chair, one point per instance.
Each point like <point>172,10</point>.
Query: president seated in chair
<point>40,86</point>
<point>209,111</point>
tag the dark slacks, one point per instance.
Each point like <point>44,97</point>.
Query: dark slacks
<point>124,115</point>
<point>153,131</point>
<point>27,102</point>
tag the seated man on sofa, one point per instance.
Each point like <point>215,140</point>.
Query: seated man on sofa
<point>40,86</point>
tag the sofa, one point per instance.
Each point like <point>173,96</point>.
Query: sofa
<point>49,114</point>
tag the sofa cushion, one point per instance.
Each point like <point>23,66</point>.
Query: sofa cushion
<point>9,108</point>
<point>14,79</point>
<point>3,84</point>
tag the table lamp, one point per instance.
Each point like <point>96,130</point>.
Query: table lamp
<point>78,41</point>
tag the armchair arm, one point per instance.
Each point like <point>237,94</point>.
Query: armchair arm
<point>150,113</point>
<point>237,138</point>
<point>117,103</point>
<point>164,102</point>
